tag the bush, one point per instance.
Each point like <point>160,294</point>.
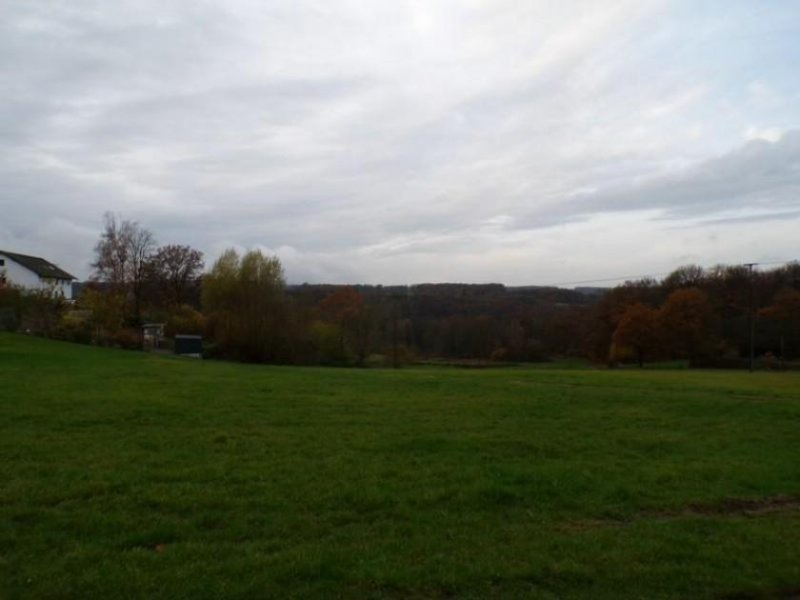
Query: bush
<point>34,311</point>
<point>499,354</point>
<point>185,320</point>
<point>127,339</point>
<point>8,319</point>
<point>405,355</point>
<point>377,361</point>
<point>535,351</point>
<point>212,350</point>
<point>72,330</point>
<point>330,344</point>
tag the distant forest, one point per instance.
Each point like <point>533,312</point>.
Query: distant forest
<point>245,311</point>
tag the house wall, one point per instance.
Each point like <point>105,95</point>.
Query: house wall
<point>16,274</point>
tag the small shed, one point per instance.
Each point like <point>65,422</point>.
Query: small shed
<point>189,345</point>
<point>152,334</point>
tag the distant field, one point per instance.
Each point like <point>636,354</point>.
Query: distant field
<point>134,476</point>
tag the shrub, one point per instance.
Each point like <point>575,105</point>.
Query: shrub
<point>499,354</point>
<point>127,339</point>
<point>185,320</point>
<point>330,344</point>
<point>8,318</point>
<point>73,329</point>
<point>377,360</point>
<point>405,355</point>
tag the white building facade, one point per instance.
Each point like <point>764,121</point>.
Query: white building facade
<point>34,273</point>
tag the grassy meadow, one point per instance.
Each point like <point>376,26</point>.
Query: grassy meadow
<point>124,475</point>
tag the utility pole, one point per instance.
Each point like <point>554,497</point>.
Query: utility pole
<point>394,334</point>
<point>752,319</point>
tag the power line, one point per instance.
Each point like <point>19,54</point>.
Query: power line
<point>662,274</point>
<point>775,262</point>
<point>623,278</point>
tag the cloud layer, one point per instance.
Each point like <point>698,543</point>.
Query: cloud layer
<point>410,141</point>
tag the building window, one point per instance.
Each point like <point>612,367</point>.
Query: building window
<point>2,262</point>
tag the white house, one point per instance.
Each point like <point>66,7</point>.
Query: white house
<point>34,273</point>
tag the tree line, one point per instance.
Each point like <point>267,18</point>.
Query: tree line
<point>246,311</point>
<point>719,316</point>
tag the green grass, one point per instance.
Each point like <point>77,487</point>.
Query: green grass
<point>134,476</point>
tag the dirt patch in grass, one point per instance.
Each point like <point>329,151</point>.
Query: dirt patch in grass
<point>728,507</point>
<point>742,506</point>
<point>790,593</point>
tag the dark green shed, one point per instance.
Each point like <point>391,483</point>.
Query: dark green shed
<point>189,345</point>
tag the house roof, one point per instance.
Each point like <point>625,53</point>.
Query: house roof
<point>40,266</point>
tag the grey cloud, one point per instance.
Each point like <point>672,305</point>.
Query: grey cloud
<point>758,175</point>
<point>364,141</point>
<point>790,215</point>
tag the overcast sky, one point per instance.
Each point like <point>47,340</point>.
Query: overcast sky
<point>522,142</point>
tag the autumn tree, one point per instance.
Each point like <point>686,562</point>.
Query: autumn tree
<point>785,313</point>
<point>247,307</point>
<point>686,318</point>
<point>786,305</point>
<point>637,329</point>
<point>345,309</point>
<point>608,310</point>
<point>108,311</point>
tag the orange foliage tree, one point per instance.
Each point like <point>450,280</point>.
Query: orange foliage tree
<point>686,318</point>
<point>345,309</point>
<point>638,330</point>
<point>785,312</point>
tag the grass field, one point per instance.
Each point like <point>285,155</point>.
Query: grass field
<point>134,476</point>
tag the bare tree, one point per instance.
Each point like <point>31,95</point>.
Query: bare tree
<point>112,254</point>
<point>142,245</point>
<point>175,267</point>
<point>121,257</point>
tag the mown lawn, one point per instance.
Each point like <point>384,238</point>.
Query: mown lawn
<point>134,476</point>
